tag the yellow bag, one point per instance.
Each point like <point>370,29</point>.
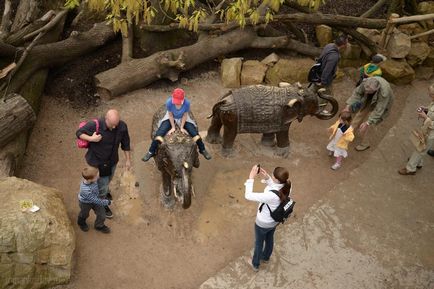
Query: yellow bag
<point>418,139</point>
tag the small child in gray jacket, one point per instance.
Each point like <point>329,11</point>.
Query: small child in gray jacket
<point>88,200</point>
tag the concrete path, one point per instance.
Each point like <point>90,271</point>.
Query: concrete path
<point>373,230</point>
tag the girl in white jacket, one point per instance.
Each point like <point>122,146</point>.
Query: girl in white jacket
<point>278,188</point>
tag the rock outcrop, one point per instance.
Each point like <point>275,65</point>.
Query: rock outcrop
<point>35,248</point>
<point>291,71</point>
<point>397,71</point>
<point>253,72</point>
<point>231,72</point>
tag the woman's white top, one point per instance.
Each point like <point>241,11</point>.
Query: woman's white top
<point>263,218</point>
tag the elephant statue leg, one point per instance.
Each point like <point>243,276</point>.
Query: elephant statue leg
<point>268,139</point>
<point>282,149</point>
<point>213,135</point>
<point>229,135</point>
<point>167,196</point>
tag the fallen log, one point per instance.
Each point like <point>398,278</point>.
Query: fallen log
<point>138,73</point>
<point>313,18</point>
<point>16,115</point>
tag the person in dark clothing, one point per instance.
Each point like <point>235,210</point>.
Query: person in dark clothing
<point>103,149</point>
<point>329,59</point>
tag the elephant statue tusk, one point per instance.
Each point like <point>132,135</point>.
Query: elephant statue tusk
<point>293,101</point>
<point>192,191</point>
<point>160,139</point>
<point>175,192</point>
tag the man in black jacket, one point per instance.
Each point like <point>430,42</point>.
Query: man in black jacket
<point>104,140</point>
<point>329,59</point>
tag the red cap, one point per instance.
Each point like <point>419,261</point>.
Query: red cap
<point>178,96</point>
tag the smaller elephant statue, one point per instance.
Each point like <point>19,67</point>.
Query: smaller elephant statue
<point>175,158</point>
<point>264,109</point>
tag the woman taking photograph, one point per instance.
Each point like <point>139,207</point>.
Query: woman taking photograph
<point>265,224</point>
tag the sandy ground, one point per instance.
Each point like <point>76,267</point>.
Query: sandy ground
<point>151,247</point>
<point>372,230</point>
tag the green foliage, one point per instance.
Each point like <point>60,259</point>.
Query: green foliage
<point>121,13</point>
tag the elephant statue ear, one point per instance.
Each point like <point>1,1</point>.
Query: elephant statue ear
<point>196,161</point>
<point>161,157</point>
<point>296,104</point>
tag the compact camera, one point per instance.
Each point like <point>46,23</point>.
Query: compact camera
<point>422,109</point>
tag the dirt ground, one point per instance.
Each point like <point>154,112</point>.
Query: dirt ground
<point>151,247</point>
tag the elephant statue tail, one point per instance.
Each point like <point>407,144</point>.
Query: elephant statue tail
<point>221,101</point>
<point>333,102</point>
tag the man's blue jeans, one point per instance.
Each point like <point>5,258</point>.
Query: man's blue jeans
<point>103,184</point>
<point>263,235</point>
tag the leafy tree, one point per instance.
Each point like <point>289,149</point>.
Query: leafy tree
<point>187,13</point>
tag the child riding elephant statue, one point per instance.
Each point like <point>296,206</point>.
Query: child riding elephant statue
<point>264,109</point>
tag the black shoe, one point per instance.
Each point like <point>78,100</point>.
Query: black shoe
<point>108,212</point>
<point>84,227</point>
<point>148,156</point>
<point>109,197</point>
<point>430,152</point>
<point>206,154</point>
<point>104,229</point>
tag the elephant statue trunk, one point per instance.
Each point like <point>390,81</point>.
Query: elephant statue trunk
<point>335,106</point>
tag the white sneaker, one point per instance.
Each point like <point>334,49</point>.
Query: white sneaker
<point>336,166</point>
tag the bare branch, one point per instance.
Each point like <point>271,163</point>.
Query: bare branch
<point>50,25</point>
<point>6,20</point>
<point>374,8</point>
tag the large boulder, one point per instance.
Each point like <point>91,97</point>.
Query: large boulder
<point>35,248</point>
<point>418,53</point>
<point>397,71</point>
<point>291,71</point>
<point>429,61</point>
<point>271,59</point>
<point>253,72</point>
<point>413,29</point>
<point>324,35</point>
<point>399,44</point>
<point>372,34</point>
<point>352,51</point>
<point>427,7</point>
<point>231,72</point>
<point>424,72</point>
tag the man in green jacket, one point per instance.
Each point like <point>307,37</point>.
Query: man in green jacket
<point>371,101</point>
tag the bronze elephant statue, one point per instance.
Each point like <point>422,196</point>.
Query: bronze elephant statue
<point>175,158</point>
<point>264,109</point>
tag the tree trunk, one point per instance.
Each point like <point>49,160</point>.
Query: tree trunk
<point>16,115</point>
<point>138,73</point>
<point>127,44</point>
<point>58,53</point>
